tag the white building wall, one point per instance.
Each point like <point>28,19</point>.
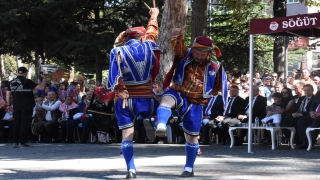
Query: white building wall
<point>300,8</point>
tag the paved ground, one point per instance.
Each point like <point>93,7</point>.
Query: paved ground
<point>94,161</point>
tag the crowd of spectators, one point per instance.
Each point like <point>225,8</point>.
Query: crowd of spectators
<point>293,104</point>
<point>58,110</point>
<point>60,107</point>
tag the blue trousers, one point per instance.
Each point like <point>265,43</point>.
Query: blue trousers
<point>85,128</point>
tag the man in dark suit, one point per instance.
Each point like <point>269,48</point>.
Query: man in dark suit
<point>312,120</point>
<point>228,117</point>
<point>81,116</point>
<point>210,112</point>
<point>258,109</point>
<point>300,110</point>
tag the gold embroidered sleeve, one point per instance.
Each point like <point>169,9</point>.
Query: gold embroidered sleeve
<point>152,29</point>
<point>179,47</point>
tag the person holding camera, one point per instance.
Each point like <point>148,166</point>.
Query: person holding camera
<point>21,89</point>
<point>68,109</point>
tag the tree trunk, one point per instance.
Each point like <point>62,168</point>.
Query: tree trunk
<point>2,71</point>
<point>37,68</point>
<point>199,18</point>
<point>30,71</point>
<point>279,10</point>
<point>173,16</point>
<point>98,65</point>
<point>71,74</point>
<point>98,59</point>
<point>18,62</point>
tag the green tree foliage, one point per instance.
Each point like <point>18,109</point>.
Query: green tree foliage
<point>230,32</point>
<point>67,32</point>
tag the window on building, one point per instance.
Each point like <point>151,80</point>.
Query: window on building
<point>316,60</point>
<point>292,1</point>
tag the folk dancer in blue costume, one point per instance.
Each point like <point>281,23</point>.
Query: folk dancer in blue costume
<point>197,76</point>
<point>133,63</point>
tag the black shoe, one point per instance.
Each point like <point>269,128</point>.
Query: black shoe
<point>48,141</point>
<point>237,143</point>
<point>24,145</point>
<point>186,174</point>
<point>223,141</point>
<point>304,145</point>
<point>139,140</point>
<point>94,142</point>
<point>205,141</point>
<point>131,175</point>
<point>56,141</point>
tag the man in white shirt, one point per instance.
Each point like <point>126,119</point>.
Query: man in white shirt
<point>49,126</point>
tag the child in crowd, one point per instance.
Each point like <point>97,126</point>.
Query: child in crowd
<point>46,90</point>
<point>62,92</point>
<point>274,112</point>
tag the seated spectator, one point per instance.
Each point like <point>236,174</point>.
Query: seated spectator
<point>267,84</point>
<point>245,91</point>
<point>298,89</point>
<point>264,91</point>
<point>305,78</point>
<point>312,120</point>
<point>265,74</point>
<point>300,110</point>
<point>210,112</point>
<point>81,116</point>
<point>237,73</point>
<point>293,76</point>
<point>6,115</point>
<point>83,84</point>
<point>229,78</point>
<point>236,82</point>
<point>101,108</point>
<point>257,75</point>
<point>288,100</point>
<point>79,93</point>
<point>274,77</point>
<point>44,94</point>
<point>316,80</point>
<point>62,92</point>
<point>176,127</point>
<point>68,109</point>
<point>37,116</point>
<point>49,87</point>
<point>273,114</point>
<point>245,78</point>
<point>74,91</point>
<point>275,110</point>
<point>228,116</point>
<point>258,109</point>
<point>267,81</point>
<point>92,85</point>
<point>48,128</point>
<point>278,87</point>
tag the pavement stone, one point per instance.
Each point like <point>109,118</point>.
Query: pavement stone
<point>155,161</point>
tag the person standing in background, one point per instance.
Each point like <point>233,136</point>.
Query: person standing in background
<point>21,89</point>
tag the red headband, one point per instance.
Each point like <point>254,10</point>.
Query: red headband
<point>136,31</point>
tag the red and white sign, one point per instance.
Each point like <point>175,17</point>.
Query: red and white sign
<point>299,25</point>
<point>274,25</point>
<point>298,42</point>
